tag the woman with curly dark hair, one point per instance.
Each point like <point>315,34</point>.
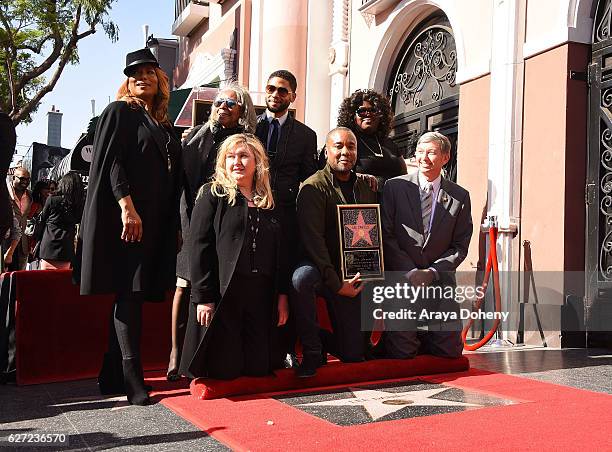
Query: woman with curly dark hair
<point>368,114</point>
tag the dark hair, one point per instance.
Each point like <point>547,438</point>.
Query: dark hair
<point>348,107</point>
<point>70,188</point>
<point>285,75</point>
<point>39,186</point>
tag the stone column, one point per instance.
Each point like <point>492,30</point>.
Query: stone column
<point>505,138</point>
<point>338,58</point>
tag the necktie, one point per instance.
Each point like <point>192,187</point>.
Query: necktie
<point>426,206</point>
<point>273,138</point>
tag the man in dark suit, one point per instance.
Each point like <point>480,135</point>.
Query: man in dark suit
<point>291,145</point>
<point>292,150</point>
<point>427,226</point>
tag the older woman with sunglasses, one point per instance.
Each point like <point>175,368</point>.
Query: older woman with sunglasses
<point>368,114</point>
<point>232,112</point>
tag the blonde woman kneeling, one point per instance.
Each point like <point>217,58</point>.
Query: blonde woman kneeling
<point>238,276</point>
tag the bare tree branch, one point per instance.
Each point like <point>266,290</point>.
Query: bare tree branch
<point>52,58</point>
<point>53,29</point>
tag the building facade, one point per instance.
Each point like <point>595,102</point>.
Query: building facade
<point>521,87</point>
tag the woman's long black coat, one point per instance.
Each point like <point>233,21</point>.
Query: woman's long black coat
<point>196,148</point>
<point>216,235</point>
<point>131,158</point>
<point>57,230</point>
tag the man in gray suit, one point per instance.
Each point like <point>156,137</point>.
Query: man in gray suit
<point>427,226</point>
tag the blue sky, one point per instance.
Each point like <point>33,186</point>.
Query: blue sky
<point>99,73</point>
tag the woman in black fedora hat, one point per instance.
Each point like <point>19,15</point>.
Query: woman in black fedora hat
<point>130,229</point>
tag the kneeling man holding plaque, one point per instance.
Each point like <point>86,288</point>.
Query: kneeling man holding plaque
<point>427,226</point>
<point>321,272</point>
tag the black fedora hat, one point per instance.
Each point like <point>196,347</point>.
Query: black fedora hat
<point>142,56</point>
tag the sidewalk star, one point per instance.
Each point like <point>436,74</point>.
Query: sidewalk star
<point>381,403</point>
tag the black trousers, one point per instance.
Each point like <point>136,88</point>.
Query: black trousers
<point>348,341</point>
<point>289,229</point>
<point>240,333</point>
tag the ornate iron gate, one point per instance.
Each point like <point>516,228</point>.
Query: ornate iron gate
<point>598,302</point>
<point>422,88</point>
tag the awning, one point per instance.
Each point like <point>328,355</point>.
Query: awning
<point>176,102</point>
<point>184,117</point>
<point>77,160</point>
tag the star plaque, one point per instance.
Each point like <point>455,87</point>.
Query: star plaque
<point>360,241</point>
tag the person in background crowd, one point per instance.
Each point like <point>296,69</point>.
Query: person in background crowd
<point>319,273</point>
<point>12,238</point>
<point>40,193</point>
<point>8,139</point>
<point>292,149</point>
<point>232,112</point>
<point>368,114</point>
<point>52,187</point>
<point>21,200</point>
<point>239,285</point>
<point>131,228</point>
<point>58,220</point>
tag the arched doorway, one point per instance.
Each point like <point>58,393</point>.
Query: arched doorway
<point>424,95</point>
<point>598,299</point>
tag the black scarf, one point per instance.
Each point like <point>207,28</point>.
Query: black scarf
<point>221,133</point>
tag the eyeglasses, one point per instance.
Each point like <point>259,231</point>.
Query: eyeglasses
<point>271,89</point>
<point>230,103</point>
<point>362,112</point>
<point>22,179</point>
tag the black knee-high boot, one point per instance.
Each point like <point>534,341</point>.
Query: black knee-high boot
<point>128,321</point>
<point>110,378</point>
<point>134,382</point>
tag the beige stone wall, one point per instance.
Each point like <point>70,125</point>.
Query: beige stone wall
<point>553,182</point>
<point>544,147</point>
<point>551,23</point>
<point>375,43</point>
<point>472,159</point>
<point>283,38</point>
<point>554,159</point>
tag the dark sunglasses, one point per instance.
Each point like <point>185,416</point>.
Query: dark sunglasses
<point>230,103</point>
<point>271,89</point>
<point>23,179</point>
<point>362,112</point>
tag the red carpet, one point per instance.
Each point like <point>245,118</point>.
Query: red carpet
<point>545,417</point>
<point>335,373</point>
<point>62,336</point>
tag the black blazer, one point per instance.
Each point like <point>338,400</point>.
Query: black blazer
<point>57,230</point>
<point>130,157</point>
<point>295,159</point>
<point>216,235</point>
<point>405,245</point>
